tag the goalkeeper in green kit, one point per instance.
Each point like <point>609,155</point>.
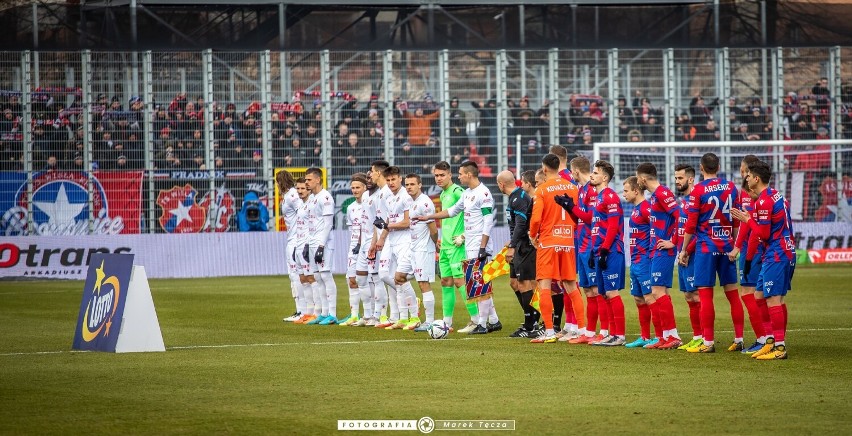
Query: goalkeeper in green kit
<point>452,249</point>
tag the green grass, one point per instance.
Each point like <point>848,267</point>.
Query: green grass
<point>282,378</point>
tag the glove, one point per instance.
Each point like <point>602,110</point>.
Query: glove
<point>380,223</point>
<point>294,256</point>
<point>602,258</point>
<point>747,267</point>
<point>306,252</point>
<point>357,248</point>
<point>482,255</point>
<point>318,254</point>
<point>566,201</point>
<point>592,261</point>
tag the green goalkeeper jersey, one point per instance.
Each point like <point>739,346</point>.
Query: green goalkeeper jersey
<point>451,227</point>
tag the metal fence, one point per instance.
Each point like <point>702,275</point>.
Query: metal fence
<point>194,132</point>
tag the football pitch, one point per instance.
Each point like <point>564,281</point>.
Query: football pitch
<point>232,366</point>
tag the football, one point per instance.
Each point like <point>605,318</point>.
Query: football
<point>439,329</point>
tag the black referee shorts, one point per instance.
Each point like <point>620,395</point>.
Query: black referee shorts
<point>523,265</point>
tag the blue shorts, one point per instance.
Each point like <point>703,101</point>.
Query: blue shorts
<point>585,275</point>
<point>686,276</point>
<point>640,279</point>
<point>709,265</point>
<point>611,278</point>
<point>753,274</point>
<point>662,270</point>
<point>775,278</point>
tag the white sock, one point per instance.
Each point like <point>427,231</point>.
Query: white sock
<point>410,300</point>
<point>380,296</point>
<point>308,296</point>
<point>365,295</point>
<point>762,339</point>
<point>297,294</point>
<point>549,332</point>
<point>320,302</point>
<point>738,339</point>
<point>448,320</point>
<point>354,300</point>
<point>392,302</point>
<point>605,333</point>
<point>330,292</point>
<point>492,314</point>
<point>401,303</point>
<point>582,331</point>
<point>429,304</point>
<point>702,337</point>
<point>571,327</point>
<point>675,334</point>
<point>484,309</point>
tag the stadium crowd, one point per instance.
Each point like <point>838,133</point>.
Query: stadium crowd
<point>357,129</point>
<point>567,240</point>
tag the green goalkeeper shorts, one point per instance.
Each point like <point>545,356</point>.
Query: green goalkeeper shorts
<point>450,262</point>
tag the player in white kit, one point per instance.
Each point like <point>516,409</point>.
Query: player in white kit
<point>421,260</point>
<point>385,288</point>
<point>289,206</point>
<point>320,253</point>
<point>478,207</point>
<point>365,269</point>
<point>294,254</point>
<point>396,241</point>
<point>354,220</point>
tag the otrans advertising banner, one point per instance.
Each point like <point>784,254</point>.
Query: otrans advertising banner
<point>60,203</point>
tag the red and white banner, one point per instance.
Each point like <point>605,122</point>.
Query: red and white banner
<point>838,255</point>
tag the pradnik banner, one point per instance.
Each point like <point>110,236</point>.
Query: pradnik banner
<point>237,254</point>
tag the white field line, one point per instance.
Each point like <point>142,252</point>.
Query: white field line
<point>382,341</point>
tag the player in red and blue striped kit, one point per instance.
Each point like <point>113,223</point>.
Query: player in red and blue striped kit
<point>773,230</point>
<point>664,213</point>
<point>755,304</point>
<point>684,183</point>
<point>595,304</point>
<point>709,219</point>
<point>607,257</point>
<point>640,262</point>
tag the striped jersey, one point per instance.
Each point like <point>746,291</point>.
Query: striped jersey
<point>664,211</point>
<point>709,215</point>
<point>773,228</point>
<point>587,201</point>
<point>608,223</point>
<point>640,233</point>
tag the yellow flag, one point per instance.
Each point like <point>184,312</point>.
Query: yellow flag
<point>497,267</point>
<point>535,300</point>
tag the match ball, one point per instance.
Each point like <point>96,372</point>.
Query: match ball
<point>458,240</point>
<point>439,329</point>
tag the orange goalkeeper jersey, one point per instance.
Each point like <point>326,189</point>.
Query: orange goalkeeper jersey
<point>550,223</point>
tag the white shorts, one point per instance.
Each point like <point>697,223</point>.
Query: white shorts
<point>387,262</point>
<point>325,266</point>
<point>364,264</point>
<point>402,254</point>
<point>292,264</point>
<point>423,264</point>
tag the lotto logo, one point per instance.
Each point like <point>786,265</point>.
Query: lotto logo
<point>721,232</point>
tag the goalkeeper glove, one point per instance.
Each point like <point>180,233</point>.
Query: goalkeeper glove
<point>306,253</point>
<point>357,248</point>
<point>592,260</point>
<point>318,254</point>
<point>602,258</point>
<point>747,267</point>
<point>380,223</point>
<point>482,255</point>
<point>565,201</point>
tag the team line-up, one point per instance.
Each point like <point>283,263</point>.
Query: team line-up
<point>566,227</point>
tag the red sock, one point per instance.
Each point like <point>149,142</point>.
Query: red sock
<point>784,305</point>
<point>656,318</point>
<point>708,312</point>
<point>616,308</point>
<point>570,318</point>
<point>644,320</point>
<point>737,314</point>
<point>776,313</point>
<point>695,317</point>
<point>667,312</point>
<point>754,315</point>
<point>591,313</point>
<point>764,315</point>
<point>603,310</point>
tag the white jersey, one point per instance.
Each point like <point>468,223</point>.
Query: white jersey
<point>383,195</point>
<point>421,239</point>
<point>320,205</point>
<point>397,205</point>
<point>354,220</point>
<point>478,206</point>
<point>300,229</point>
<point>289,208</point>
<point>368,215</point>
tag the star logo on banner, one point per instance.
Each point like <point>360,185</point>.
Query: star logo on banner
<point>61,211</point>
<point>181,213</point>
